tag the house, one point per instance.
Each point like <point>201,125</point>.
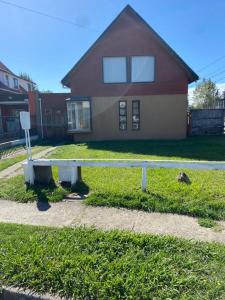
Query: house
<point>9,82</point>
<point>130,84</point>
<point>13,99</point>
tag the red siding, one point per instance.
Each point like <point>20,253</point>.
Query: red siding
<point>128,36</point>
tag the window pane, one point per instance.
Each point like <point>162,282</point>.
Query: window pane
<point>135,111</point>
<point>123,119</point>
<point>79,115</point>
<point>114,69</point>
<point>122,111</point>
<point>135,126</point>
<point>123,126</point>
<point>142,68</point>
<point>122,115</point>
<point>122,104</point>
<point>135,114</point>
<point>135,104</point>
<point>135,118</point>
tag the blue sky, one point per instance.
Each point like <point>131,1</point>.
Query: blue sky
<point>47,48</point>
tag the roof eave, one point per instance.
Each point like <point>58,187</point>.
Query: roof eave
<point>191,75</point>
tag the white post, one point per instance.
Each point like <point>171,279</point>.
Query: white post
<point>29,145</point>
<point>25,131</point>
<point>144,179</point>
<point>73,175</point>
<point>30,171</point>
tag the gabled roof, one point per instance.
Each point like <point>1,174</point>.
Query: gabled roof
<point>5,69</point>
<point>192,76</point>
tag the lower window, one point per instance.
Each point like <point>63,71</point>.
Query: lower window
<point>79,115</point>
<point>135,115</point>
<point>123,115</point>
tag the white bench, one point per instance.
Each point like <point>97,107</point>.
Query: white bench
<point>69,169</point>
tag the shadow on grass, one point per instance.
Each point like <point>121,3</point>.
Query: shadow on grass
<point>198,148</point>
<point>81,188</point>
<point>42,193</point>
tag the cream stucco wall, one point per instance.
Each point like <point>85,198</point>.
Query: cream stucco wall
<point>161,117</point>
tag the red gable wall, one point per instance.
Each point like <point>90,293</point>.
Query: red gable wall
<point>128,36</point>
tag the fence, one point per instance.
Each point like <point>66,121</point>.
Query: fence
<point>206,121</point>
<point>10,128</point>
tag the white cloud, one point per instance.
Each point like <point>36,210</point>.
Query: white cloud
<point>220,86</point>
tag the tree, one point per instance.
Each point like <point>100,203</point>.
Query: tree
<point>223,95</point>
<point>25,76</point>
<point>206,94</point>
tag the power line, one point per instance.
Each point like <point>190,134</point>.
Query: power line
<point>221,78</point>
<point>212,63</point>
<point>45,15</point>
<point>215,75</point>
<point>215,71</point>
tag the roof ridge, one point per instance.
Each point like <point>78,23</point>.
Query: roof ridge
<point>192,76</point>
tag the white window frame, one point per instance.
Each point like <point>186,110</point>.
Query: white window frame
<point>134,78</point>
<point>15,80</point>
<point>73,116</point>
<point>107,80</point>
<point>7,80</point>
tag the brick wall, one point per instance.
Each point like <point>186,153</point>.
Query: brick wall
<point>54,115</point>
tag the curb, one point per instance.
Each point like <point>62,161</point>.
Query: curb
<point>19,294</point>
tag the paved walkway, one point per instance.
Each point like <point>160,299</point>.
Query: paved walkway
<point>75,213</point>
<point>16,169</point>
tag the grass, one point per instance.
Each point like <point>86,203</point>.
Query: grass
<point>8,162</point>
<point>15,189</point>
<point>84,263</point>
<point>194,148</point>
<point>208,223</point>
<point>204,197</point>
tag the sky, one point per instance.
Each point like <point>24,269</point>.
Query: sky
<point>46,48</point>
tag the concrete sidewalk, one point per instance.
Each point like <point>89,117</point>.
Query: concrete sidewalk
<point>75,213</point>
<point>16,169</point>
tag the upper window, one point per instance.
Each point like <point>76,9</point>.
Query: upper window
<point>79,115</point>
<point>29,87</point>
<point>7,79</point>
<point>15,81</point>
<point>114,69</point>
<point>142,68</point>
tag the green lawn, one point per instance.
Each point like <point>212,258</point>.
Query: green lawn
<point>203,197</point>
<point>8,162</point>
<point>15,189</point>
<point>90,264</point>
<point>195,148</point>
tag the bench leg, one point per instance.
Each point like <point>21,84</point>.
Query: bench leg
<point>144,179</point>
<point>79,176</point>
<point>29,173</point>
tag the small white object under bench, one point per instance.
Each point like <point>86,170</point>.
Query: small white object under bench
<point>68,169</point>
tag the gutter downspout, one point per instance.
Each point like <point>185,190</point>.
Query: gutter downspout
<point>40,108</point>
